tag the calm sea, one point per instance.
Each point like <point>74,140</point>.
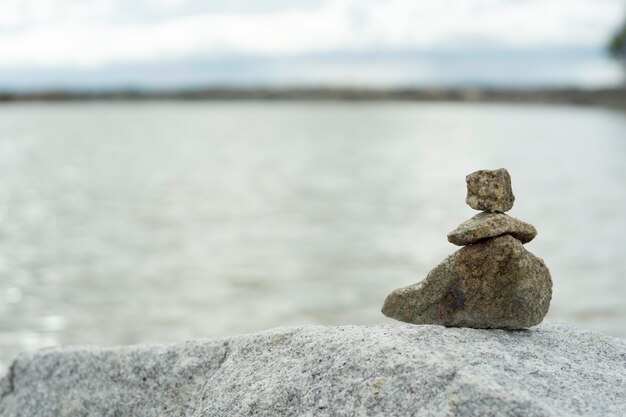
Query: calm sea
<point>157,222</point>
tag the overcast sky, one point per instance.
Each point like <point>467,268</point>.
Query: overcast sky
<point>172,43</point>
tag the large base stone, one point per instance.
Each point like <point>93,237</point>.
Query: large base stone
<point>495,283</point>
<point>387,370</point>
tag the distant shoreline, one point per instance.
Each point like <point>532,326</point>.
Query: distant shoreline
<point>612,97</point>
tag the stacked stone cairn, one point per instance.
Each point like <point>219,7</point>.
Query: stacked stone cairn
<point>493,281</point>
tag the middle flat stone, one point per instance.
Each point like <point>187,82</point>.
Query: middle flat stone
<point>486,225</point>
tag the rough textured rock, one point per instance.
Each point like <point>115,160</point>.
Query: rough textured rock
<point>386,370</point>
<point>490,190</point>
<point>486,225</point>
<point>495,283</point>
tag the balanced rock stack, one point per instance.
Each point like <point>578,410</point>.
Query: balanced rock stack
<point>493,281</point>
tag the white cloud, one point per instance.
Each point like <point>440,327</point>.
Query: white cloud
<point>16,15</point>
<point>99,33</point>
<point>78,33</point>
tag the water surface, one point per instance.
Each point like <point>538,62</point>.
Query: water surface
<point>157,222</point>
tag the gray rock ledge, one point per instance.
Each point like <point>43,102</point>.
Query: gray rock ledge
<point>386,370</point>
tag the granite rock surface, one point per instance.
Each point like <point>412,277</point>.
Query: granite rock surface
<point>385,370</point>
<point>495,283</point>
<point>486,225</point>
<point>490,190</point>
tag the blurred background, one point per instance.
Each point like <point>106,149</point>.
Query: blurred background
<point>176,169</point>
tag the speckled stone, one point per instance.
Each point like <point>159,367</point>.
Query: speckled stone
<point>495,283</point>
<point>385,370</point>
<point>490,190</point>
<point>486,225</point>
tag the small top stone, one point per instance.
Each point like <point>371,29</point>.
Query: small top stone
<point>490,190</point>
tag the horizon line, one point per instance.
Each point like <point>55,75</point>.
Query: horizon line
<point>608,96</point>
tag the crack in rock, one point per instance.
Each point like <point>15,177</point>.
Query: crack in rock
<point>226,354</point>
<point>8,382</point>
